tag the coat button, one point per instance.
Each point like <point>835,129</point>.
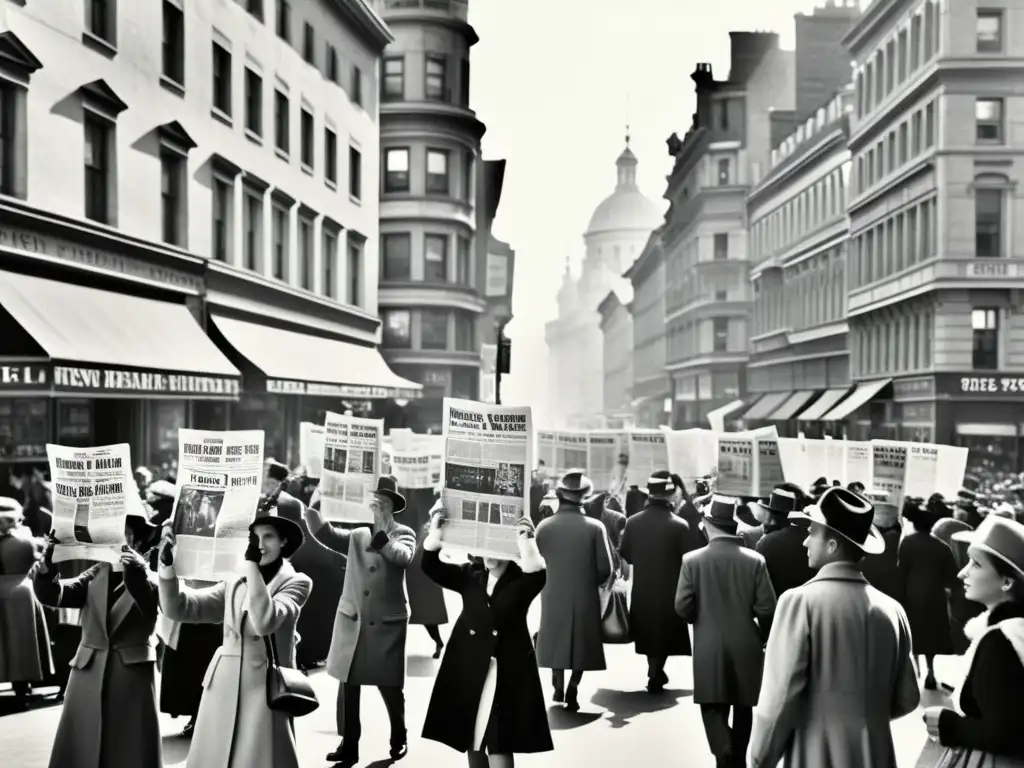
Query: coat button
<point>366,593</point>
<point>373,568</point>
<point>472,631</point>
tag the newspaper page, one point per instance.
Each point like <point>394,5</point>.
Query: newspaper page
<point>411,459</point>
<point>488,452</point>
<point>934,468</point>
<point>220,475</point>
<point>570,451</point>
<point>748,463</point>
<point>692,454</point>
<point>647,453</point>
<point>797,459</point>
<point>352,462</point>
<point>858,463</point>
<point>93,491</point>
<point>603,449</point>
<point>546,451</point>
<point>311,448</point>
<point>889,469</point>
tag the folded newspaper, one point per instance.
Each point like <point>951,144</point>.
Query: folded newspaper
<point>351,466</point>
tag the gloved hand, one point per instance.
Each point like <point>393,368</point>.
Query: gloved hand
<point>252,552</point>
<point>48,554</point>
<point>167,546</point>
<point>380,540</point>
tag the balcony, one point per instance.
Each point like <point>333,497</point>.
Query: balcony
<point>457,9</point>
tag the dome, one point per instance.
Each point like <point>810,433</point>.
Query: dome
<point>627,207</point>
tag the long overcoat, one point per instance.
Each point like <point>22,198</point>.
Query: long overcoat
<point>578,558</point>
<point>368,645</point>
<point>24,638</point>
<point>783,550</point>
<point>235,728</point>
<point>490,626</point>
<point>426,599</point>
<point>109,719</point>
<point>927,569</point>
<point>838,669</point>
<point>654,543</point>
<point>723,588</point>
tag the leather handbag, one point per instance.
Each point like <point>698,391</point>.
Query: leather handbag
<point>614,614</point>
<point>288,690</point>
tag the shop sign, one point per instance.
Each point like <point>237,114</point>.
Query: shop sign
<point>23,376</point>
<point>909,389</point>
<point>29,242</point>
<point>992,268</point>
<point>287,387</point>
<point>83,379</point>
<point>496,280</point>
<point>989,385</point>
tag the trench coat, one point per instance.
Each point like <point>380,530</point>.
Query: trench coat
<point>723,588</point>
<point>575,548</point>
<point>927,569</point>
<point>490,627</point>
<point>654,543</point>
<point>109,719</point>
<point>838,669</point>
<point>24,637</point>
<point>783,550</point>
<point>372,620</point>
<point>235,728</point>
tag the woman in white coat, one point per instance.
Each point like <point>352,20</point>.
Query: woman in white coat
<point>235,728</point>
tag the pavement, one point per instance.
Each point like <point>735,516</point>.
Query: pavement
<point>619,724</point>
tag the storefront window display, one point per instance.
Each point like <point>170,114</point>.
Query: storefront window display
<point>74,423</point>
<point>266,412</point>
<point>24,429</point>
<point>989,455</point>
<point>166,417</point>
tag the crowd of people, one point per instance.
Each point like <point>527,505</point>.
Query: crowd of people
<point>810,611</point>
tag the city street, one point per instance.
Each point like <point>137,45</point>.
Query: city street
<point>619,723</point>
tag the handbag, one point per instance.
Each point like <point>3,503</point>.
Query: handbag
<point>614,613</point>
<point>288,690</point>
<point>963,757</point>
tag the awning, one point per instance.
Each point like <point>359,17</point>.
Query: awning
<point>717,417</point>
<point>102,343</point>
<point>861,395</point>
<point>791,406</point>
<point>823,404</point>
<point>765,405</point>
<point>299,364</point>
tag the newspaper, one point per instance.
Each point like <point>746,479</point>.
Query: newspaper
<point>603,449</point>
<point>411,458</point>
<point>934,468</point>
<point>220,475</point>
<point>889,469</point>
<point>647,453</point>
<point>352,463</point>
<point>488,452</point>
<point>692,454</point>
<point>311,448</point>
<point>749,464</point>
<point>93,491</point>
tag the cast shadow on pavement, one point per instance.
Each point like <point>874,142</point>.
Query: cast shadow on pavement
<point>623,706</point>
<point>561,719</point>
<point>421,666</point>
<point>175,749</point>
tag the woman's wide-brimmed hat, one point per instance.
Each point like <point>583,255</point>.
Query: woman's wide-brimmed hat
<point>387,486</point>
<point>998,537</point>
<point>11,508</point>
<point>848,514</point>
<point>289,531</point>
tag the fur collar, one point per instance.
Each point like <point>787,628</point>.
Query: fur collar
<point>1008,617</point>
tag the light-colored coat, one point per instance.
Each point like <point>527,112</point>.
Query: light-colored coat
<point>838,669</point>
<point>24,640</point>
<point>368,644</point>
<point>235,728</point>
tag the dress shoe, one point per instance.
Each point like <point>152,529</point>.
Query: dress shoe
<point>657,683</point>
<point>338,754</point>
<point>400,751</point>
<point>559,695</point>
<point>438,650</point>
<point>929,683</point>
<point>572,703</point>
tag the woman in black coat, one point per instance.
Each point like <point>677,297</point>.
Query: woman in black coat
<point>487,698</point>
<point>426,599</point>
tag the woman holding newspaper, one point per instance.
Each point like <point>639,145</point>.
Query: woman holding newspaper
<point>235,727</point>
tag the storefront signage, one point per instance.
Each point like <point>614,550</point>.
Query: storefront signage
<point>912,389</point>
<point>23,376</point>
<point>27,241</point>
<point>83,379</point>
<point>286,387</point>
<point>990,385</point>
<point>496,281</point>
<point>992,268</point>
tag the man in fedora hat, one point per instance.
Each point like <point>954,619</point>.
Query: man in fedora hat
<point>838,666</point>
<point>576,550</point>
<point>368,643</point>
<point>782,545</point>
<point>723,589</point>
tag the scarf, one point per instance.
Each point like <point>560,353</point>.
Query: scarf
<point>269,571</point>
<point>975,629</point>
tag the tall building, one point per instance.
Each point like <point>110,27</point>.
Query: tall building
<point>432,287</point>
<point>188,227</point>
<point>650,388</point>
<point>936,261</point>
<point>618,231</point>
<point>617,356</point>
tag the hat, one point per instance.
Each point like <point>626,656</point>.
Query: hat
<point>849,515</point>
<point>937,507</point>
<point>722,512</point>
<point>287,529</point>
<point>11,508</point>
<point>387,486</point>
<point>660,483</point>
<point>145,472</point>
<point>276,470</point>
<point>1005,509</point>
<point>1000,538</point>
<point>966,496</point>
<point>161,489</point>
<point>781,502</point>
<point>575,481</point>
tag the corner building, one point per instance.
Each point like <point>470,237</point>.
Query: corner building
<point>188,227</point>
<point>936,259</point>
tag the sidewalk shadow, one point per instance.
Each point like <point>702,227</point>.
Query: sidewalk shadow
<point>175,748</point>
<point>421,666</point>
<point>623,706</point>
<point>561,719</point>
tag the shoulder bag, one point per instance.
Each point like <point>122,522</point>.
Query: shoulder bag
<point>614,612</point>
<point>288,690</point>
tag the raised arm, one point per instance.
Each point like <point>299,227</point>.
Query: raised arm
<point>267,613</point>
<point>443,574</point>
<point>327,535</point>
<point>532,564</point>
<point>61,593</point>
<point>140,583</point>
<point>190,606</point>
<point>400,547</point>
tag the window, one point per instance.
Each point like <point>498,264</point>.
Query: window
<point>433,329</point>
<point>8,140</point>
<point>333,73</point>
<point>465,383</point>
<point>988,120</point>
<point>279,233</point>
<point>355,173</point>
<point>989,31</point>
<point>723,172</point>
<point>97,169</point>
<point>99,19</point>
<point>252,225</point>
<point>172,198</point>
<point>174,43</point>
<point>222,210</point>
<point>396,250</point>
<point>721,295</point>
<point>901,46</point>
<point>437,172</point>
<point>721,247</point>
<point>306,253</point>
<point>462,261</point>
<point>330,156</point>
<point>397,331</point>
<point>723,114</point>
<point>221,79</point>
<point>435,87</point>
<point>281,124</point>
<point>468,168</point>
<point>394,79</point>
<point>329,264</point>
<point>355,272</point>
<point>356,96</point>
<point>435,260</point>
<point>253,103</point>
<point>985,352</point>
<point>306,138</point>
<point>464,84</point>
<point>255,7</point>
<point>464,336</point>
<point>308,44</point>
<point>988,223</point>
<point>396,170</point>
<point>283,22</point>
<point>720,334</point>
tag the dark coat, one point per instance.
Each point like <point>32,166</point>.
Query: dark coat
<point>426,599</point>
<point>488,627</point>
<point>883,571</point>
<point>992,695</point>
<point>783,550</point>
<point>186,666</point>
<point>927,569</point>
<point>654,543</point>
<point>695,536</point>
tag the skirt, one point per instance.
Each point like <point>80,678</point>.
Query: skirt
<point>963,757</point>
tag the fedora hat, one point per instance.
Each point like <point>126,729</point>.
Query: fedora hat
<point>848,514</point>
<point>11,508</point>
<point>387,486</point>
<point>721,512</point>
<point>276,470</point>
<point>661,483</point>
<point>781,502</point>
<point>998,537</point>
<point>288,530</point>
<point>575,481</point>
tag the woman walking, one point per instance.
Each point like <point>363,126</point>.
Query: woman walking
<point>487,699</point>
<point>426,599</point>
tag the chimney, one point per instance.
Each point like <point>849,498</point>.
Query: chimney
<point>748,48</point>
<point>822,63</point>
<point>704,80</point>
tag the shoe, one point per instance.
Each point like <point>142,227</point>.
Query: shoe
<point>572,703</point>
<point>657,683</point>
<point>438,650</point>
<point>397,753</point>
<point>930,684</point>
<point>337,755</point>
<point>558,696</point>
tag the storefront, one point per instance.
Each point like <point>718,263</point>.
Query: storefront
<point>696,395</point>
<point>100,341</point>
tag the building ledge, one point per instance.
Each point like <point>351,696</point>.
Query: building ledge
<point>461,117</point>
<point>431,357</point>
<point>405,207</point>
<point>372,28</point>
<point>394,293</point>
<point>708,360</point>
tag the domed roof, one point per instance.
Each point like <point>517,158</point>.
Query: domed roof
<point>627,207</point>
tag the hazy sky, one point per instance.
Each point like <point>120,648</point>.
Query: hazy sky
<point>555,81</point>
